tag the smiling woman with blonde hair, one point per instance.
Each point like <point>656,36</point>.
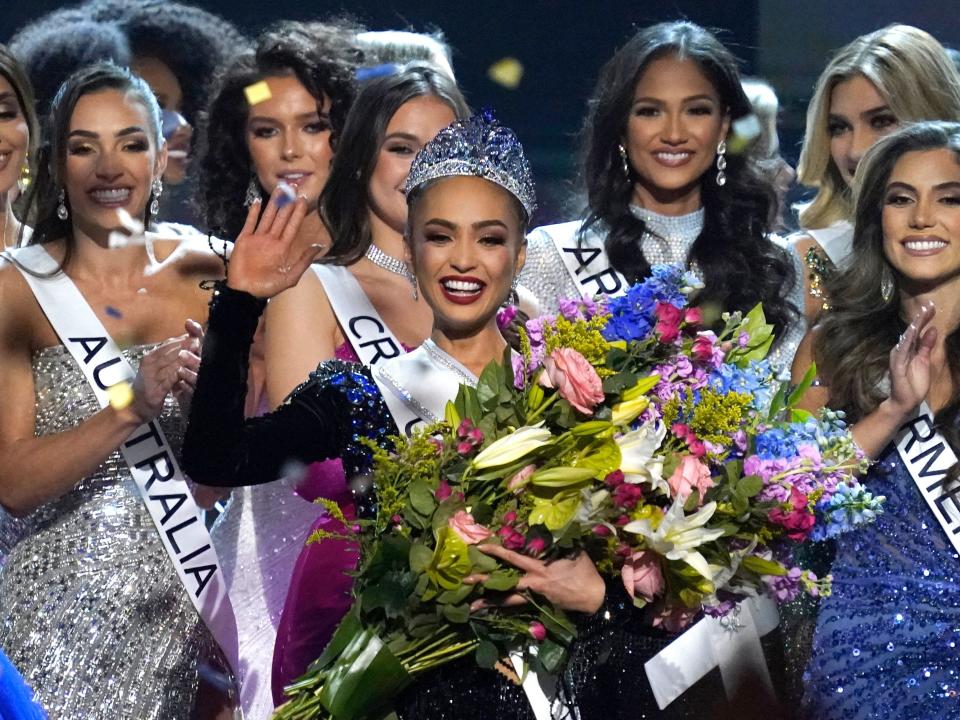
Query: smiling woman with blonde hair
<point>892,76</point>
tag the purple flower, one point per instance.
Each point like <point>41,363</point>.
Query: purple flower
<point>784,587</point>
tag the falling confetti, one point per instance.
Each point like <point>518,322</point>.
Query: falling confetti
<point>258,92</point>
<point>507,72</point>
<point>743,132</point>
<point>120,395</point>
<point>113,312</point>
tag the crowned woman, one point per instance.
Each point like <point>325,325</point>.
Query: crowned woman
<point>470,196</point>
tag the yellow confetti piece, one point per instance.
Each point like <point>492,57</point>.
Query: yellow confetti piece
<point>120,395</point>
<point>507,72</point>
<point>258,92</point>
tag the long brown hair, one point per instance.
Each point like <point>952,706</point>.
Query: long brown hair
<point>855,338</point>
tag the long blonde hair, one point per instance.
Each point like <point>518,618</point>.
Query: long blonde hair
<point>913,74</point>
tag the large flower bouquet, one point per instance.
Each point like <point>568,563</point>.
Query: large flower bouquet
<point>624,429</point>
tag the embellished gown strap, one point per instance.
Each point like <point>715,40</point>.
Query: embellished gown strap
<point>323,418</point>
<point>92,612</point>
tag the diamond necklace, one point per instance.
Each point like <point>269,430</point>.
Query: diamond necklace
<point>389,263</point>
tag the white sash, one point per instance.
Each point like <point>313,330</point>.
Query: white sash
<point>585,258</point>
<point>152,461</point>
<point>415,389</point>
<point>733,643</point>
<point>928,457</point>
<point>362,325</point>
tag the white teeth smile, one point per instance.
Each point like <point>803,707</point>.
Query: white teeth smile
<point>924,244</point>
<point>462,286</point>
<point>111,196</point>
<point>673,157</point>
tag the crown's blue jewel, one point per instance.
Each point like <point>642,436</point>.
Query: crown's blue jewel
<point>480,147</point>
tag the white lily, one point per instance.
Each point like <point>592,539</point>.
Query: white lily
<point>514,446</point>
<point>678,535</point>
<point>638,461</point>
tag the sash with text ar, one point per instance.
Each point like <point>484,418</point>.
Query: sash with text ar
<point>928,457</point>
<point>152,461</point>
<point>362,325</point>
<point>586,260</point>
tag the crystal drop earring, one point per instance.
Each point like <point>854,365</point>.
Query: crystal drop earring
<point>722,163</point>
<point>23,181</point>
<point>887,286</point>
<point>62,211</point>
<point>157,189</point>
<point>625,160</point>
<point>253,193</point>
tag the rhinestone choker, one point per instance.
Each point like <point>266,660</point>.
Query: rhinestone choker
<point>389,263</point>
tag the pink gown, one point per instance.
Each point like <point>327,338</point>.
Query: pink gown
<point>319,594</point>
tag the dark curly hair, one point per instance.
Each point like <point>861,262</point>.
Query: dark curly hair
<point>43,195</point>
<point>740,266</point>
<point>192,42</point>
<point>854,339</point>
<point>323,57</point>
<point>344,203</point>
<point>55,46</point>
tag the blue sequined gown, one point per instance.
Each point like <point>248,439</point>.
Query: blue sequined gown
<point>887,642</point>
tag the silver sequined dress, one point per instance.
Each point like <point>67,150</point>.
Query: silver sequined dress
<point>545,275</point>
<point>91,610</point>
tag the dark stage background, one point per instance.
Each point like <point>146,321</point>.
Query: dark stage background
<point>562,45</point>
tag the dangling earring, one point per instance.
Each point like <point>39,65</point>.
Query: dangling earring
<point>625,160</point>
<point>413,283</point>
<point>887,286</point>
<point>253,193</point>
<point>23,182</point>
<point>514,295</point>
<point>157,192</point>
<point>62,211</point>
<point>722,163</point>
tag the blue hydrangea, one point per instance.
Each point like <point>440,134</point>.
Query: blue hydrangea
<point>775,444</point>
<point>632,314</point>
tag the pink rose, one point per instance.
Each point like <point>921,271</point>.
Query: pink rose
<point>574,378</point>
<point>627,495</point>
<point>535,546</point>
<point>668,322</point>
<point>693,316</point>
<point>690,474</point>
<point>705,350</point>
<point>641,575</point>
<point>537,631</point>
<point>463,524</point>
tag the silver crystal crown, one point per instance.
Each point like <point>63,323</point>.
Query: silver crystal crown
<point>480,147</point>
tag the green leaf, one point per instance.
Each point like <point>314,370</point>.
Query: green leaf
<point>487,654</point>
<point>481,562</point>
<point>450,415</point>
<point>800,390</point>
<point>501,580</point>
<point>798,415</point>
<point>458,614</point>
<point>421,498</point>
<point>762,566</point>
<point>455,597</point>
<point>488,385</point>
<point>692,502</point>
<point>750,486</point>
<point>420,557</point>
